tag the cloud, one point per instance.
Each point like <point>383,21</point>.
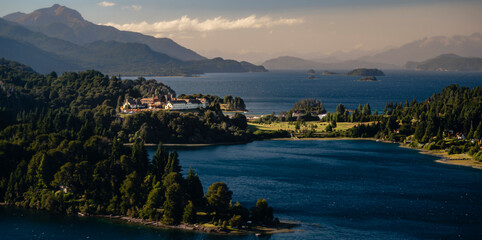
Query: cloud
<point>186,24</point>
<point>359,46</point>
<point>106,4</point>
<point>133,7</point>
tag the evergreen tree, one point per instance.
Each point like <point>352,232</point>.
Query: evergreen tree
<point>173,205</point>
<point>172,164</point>
<point>218,198</point>
<point>159,161</point>
<point>478,131</point>
<point>139,157</point>
<point>262,213</point>
<point>194,188</point>
<point>189,215</point>
<point>367,110</point>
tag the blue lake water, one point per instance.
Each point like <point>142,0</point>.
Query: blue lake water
<point>277,91</point>
<point>335,189</point>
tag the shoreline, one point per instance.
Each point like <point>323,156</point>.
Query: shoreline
<point>456,159</point>
<point>283,227</point>
<point>189,144</point>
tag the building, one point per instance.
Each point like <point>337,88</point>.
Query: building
<point>133,104</point>
<point>158,102</point>
<point>184,104</point>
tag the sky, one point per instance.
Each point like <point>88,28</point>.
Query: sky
<point>257,30</point>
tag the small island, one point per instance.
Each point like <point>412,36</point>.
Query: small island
<point>311,77</point>
<point>365,72</point>
<point>328,73</point>
<point>311,71</point>
<point>368,79</point>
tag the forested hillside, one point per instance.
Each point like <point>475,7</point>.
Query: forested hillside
<point>61,149</point>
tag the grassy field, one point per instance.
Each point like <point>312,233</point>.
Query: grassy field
<point>316,126</point>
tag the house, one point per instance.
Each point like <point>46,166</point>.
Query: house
<point>152,102</point>
<point>184,104</point>
<point>321,116</point>
<point>133,104</point>
<point>461,136</point>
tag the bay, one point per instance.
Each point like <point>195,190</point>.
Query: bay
<point>277,91</point>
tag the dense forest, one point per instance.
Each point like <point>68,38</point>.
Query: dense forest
<point>62,149</point>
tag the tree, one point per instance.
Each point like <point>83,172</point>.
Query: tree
<point>130,192</point>
<point>189,215</point>
<point>139,157</point>
<point>478,131</point>
<point>340,109</point>
<point>159,161</point>
<point>240,121</point>
<point>310,105</point>
<point>172,164</point>
<point>173,205</point>
<point>262,213</point>
<point>194,188</point>
<point>218,198</point>
<point>367,110</point>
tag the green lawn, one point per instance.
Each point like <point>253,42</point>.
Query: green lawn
<point>319,126</point>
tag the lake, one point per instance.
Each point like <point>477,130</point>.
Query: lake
<point>277,91</point>
<point>336,189</point>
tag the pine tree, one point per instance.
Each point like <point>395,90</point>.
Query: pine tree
<point>194,188</point>
<point>470,135</point>
<point>172,164</point>
<point>189,215</point>
<point>173,205</point>
<point>478,131</point>
<point>139,157</point>
<point>159,161</point>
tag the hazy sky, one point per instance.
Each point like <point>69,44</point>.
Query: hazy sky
<point>235,28</point>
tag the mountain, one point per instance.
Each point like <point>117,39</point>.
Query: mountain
<point>217,65</point>
<point>110,57</point>
<point>47,54</point>
<point>430,47</point>
<point>289,63</point>
<point>68,24</point>
<point>448,62</point>
<point>41,61</point>
<point>294,63</point>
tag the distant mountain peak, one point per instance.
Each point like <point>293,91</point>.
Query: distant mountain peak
<point>45,16</point>
<point>14,16</point>
<point>67,24</point>
<point>430,47</point>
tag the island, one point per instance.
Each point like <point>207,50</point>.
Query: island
<point>311,71</point>
<point>328,73</point>
<point>368,79</point>
<point>365,72</point>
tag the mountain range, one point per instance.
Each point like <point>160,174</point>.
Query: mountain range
<point>294,63</point>
<point>448,62</point>
<point>430,47</point>
<point>59,39</point>
<point>395,58</point>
